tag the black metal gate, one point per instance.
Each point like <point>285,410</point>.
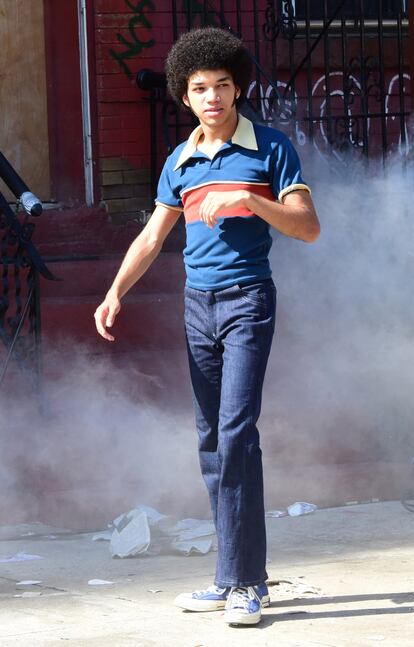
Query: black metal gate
<point>331,73</point>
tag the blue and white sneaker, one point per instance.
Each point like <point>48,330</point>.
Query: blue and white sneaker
<point>211,599</point>
<point>243,606</point>
<point>214,598</point>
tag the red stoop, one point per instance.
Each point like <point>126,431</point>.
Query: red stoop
<point>149,347</point>
<point>152,313</point>
<point>151,317</point>
<point>149,328</point>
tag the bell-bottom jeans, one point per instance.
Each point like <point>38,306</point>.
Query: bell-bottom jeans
<point>229,336</point>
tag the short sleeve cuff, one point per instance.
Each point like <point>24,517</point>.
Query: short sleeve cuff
<point>168,206</point>
<point>291,188</point>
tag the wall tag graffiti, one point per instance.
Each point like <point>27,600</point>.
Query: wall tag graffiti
<point>136,44</point>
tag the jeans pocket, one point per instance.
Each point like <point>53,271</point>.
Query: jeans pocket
<point>260,294</point>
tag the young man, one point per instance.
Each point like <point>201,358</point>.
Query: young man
<point>233,179</point>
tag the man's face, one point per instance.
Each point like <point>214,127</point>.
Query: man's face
<point>211,95</point>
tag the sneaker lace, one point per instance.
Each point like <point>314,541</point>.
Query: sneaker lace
<point>240,597</point>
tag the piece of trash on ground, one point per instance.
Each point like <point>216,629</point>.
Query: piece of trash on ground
<point>276,513</point>
<point>131,535</point>
<point>145,530</point>
<point>19,557</point>
<point>190,528</point>
<point>98,582</point>
<point>294,510</point>
<point>301,507</point>
<point>154,590</point>
<point>294,587</point>
<point>28,582</point>
<point>152,515</point>
<point>201,546</point>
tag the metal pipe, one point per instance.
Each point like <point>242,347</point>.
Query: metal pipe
<point>401,79</point>
<point>411,48</point>
<point>257,57</point>
<point>86,106</point>
<point>30,202</point>
<point>382,81</point>
<point>363,67</point>
<point>327,73</point>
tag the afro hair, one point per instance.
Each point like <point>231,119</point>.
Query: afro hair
<point>208,48</point>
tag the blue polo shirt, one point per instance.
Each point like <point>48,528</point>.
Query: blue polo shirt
<point>257,158</point>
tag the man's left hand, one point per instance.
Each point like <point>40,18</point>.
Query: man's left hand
<point>216,201</point>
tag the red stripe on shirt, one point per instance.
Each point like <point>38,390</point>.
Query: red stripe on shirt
<point>193,198</point>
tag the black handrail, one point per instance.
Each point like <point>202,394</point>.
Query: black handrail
<point>21,262</point>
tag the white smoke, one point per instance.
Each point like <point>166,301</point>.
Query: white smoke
<point>339,384</point>
<point>108,438</point>
<point>341,373</point>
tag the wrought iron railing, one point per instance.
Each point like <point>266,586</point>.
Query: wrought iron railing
<point>331,73</point>
<point>20,266</point>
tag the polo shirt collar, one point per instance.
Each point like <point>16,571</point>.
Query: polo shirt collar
<point>244,136</point>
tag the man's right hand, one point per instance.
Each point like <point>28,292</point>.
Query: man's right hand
<point>141,253</point>
<point>105,316</point>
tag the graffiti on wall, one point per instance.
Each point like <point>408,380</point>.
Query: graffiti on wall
<point>338,127</point>
<point>137,42</point>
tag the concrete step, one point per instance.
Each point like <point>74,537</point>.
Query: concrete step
<point>90,231</point>
<point>93,277</point>
<point>147,321</point>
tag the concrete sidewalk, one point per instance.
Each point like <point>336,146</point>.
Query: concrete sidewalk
<point>340,577</point>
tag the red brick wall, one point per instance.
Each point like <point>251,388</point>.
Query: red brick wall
<point>129,35</point>
<point>134,34</point>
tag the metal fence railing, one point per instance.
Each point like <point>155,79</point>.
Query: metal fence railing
<point>331,73</point>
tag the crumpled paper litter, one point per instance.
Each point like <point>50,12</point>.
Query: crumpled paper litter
<point>131,535</point>
<point>144,530</point>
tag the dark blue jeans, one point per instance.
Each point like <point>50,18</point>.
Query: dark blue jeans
<point>229,336</point>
